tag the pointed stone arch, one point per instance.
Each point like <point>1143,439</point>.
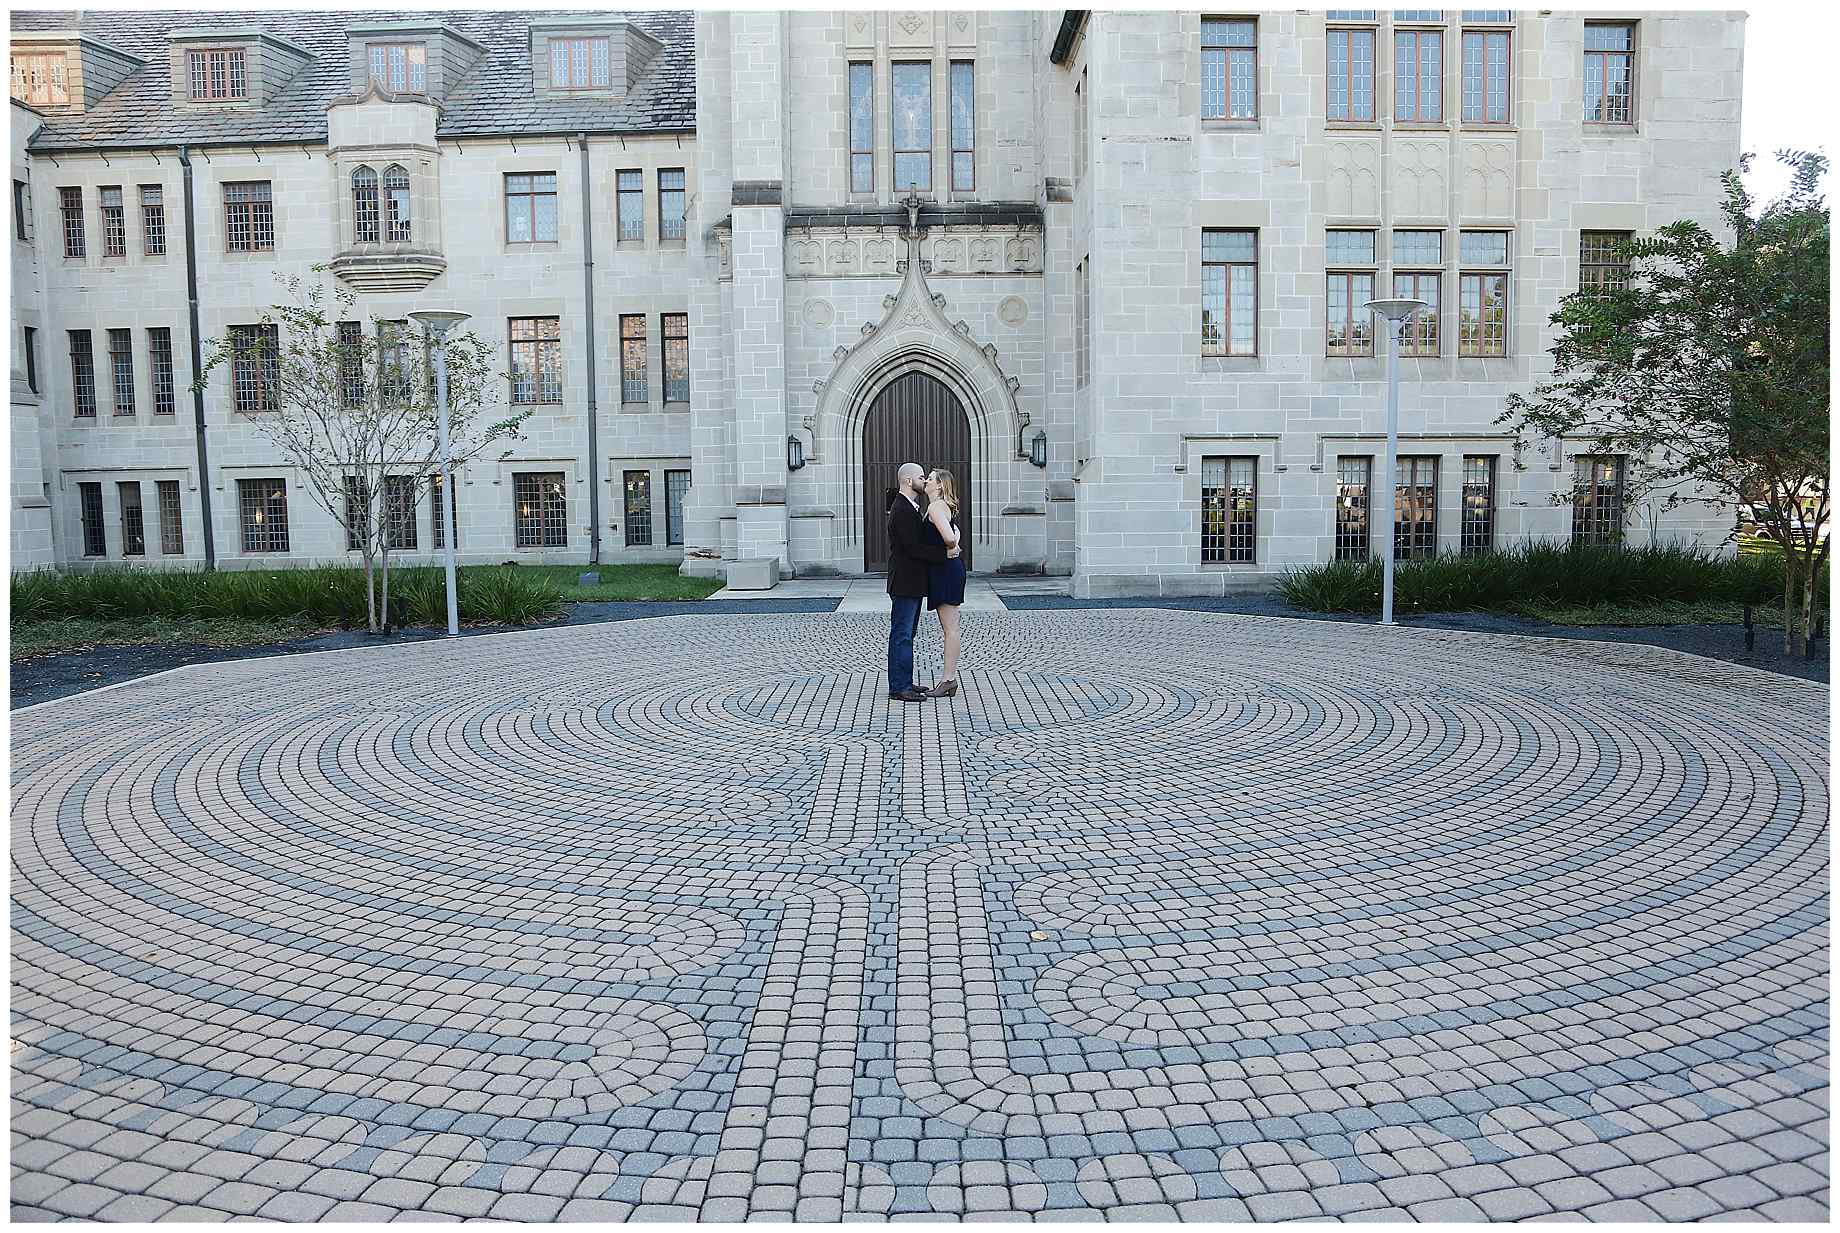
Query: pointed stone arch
<point>916,334</point>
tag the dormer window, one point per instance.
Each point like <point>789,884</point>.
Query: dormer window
<point>400,67</point>
<point>218,75</point>
<point>40,79</point>
<point>580,64</point>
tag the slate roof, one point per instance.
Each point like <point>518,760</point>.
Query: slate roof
<point>494,98</point>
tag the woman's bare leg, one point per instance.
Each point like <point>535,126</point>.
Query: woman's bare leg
<point>948,632</point>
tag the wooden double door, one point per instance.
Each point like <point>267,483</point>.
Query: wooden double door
<point>914,419</point>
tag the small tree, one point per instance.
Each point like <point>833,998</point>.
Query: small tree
<point>1708,369</point>
<point>351,405</point>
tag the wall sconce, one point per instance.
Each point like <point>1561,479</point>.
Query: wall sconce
<point>795,454</point>
<point>1038,448</point>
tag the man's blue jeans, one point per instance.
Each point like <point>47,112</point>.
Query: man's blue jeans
<point>903,619</point>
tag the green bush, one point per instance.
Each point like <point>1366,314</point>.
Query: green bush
<point>326,596</point>
<point>1541,574</point>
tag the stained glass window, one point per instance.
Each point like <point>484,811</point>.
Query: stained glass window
<point>913,127</point>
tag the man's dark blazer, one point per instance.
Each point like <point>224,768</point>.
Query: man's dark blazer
<point>909,549</point>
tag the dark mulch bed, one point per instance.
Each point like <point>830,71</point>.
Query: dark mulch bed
<point>1724,642</point>
<point>57,675</point>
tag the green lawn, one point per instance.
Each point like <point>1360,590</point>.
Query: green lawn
<point>626,582</point>
<point>49,637</point>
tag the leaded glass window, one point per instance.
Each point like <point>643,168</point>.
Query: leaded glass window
<point>964,126</point>
<point>365,213</point>
<point>249,216</point>
<point>70,204</point>
<point>1351,75</point>
<point>580,64</point>
<point>1603,265</point>
<point>396,203</point>
<point>1609,72</point>
<point>399,511</point>
<point>1348,323</point>
<point>396,344</point>
<point>1418,76</point>
<point>1351,508</point>
<point>1229,292</point>
<point>1597,500</point>
<point>671,203</point>
<point>913,126</point>
<point>1415,508</point>
<point>536,359</point>
<point>632,358</point>
<point>351,364</point>
<point>133,519</point>
<point>172,519</point>
<point>218,75</point>
<point>638,509</point>
<point>676,485</point>
<point>400,67</point>
<point>114,222</point>
<point>1229,68</point>
<point>153,220</point>
<point>255,368</point>
<point>1420,337</point>
<point>82,374</point>
<point>630,196</point>
<point>677,357</point>
<point>541,508</point>
<point>442,520</point>
<point>1478,503</point>
<point>160,367</point>
<point>1482,295</point>
<point>1229,510</point>
<point>1485,76</point>
<point>121,369</point>
<point>862,128</point>
<point>41,80</point>
<point>89,509</point>
<point>530,207</point>
<point>263,505</point>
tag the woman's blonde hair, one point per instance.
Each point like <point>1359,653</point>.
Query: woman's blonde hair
<point>948,490</point>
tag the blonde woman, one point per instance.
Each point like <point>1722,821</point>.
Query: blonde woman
<point>945,580</point>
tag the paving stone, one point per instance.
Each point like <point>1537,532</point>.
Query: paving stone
<point>1241,918</point>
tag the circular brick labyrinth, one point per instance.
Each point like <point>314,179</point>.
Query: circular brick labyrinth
<point>1167,915</point>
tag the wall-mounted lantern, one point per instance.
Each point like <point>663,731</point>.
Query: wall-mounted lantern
<point>795,454</point>
<point>1038,448</point>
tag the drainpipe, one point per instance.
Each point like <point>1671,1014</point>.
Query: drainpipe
<point>594,451</point>
<point>191,296</point>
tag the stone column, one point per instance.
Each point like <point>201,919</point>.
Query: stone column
<point>712,392</point>
<point>757,54</point>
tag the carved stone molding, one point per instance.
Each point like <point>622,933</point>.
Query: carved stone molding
<point>1488,179</point>
<point>1354,179</point>
<point>910,28</point>
<point>1420,179</point>
<point>839,252</point>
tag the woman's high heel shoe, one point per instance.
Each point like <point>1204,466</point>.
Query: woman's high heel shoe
<point>945,689</point>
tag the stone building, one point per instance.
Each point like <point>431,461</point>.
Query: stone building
<point>1106,267</point>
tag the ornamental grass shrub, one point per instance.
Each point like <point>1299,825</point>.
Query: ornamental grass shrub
<point>1541,574</point>
<point>326,596</point>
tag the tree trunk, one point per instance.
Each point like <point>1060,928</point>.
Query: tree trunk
<point>1789,580</point>
<point>370,594</point>
<point>385,554</point>
<point>1808,597</point>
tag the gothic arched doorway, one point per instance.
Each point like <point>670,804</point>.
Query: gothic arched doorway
<point>915,418</point>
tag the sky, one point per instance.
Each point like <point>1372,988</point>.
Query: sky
<point>1788,66</point>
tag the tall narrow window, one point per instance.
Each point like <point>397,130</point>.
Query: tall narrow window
<point>263,506</point>
<point>671,203</point>
<point>1418,76</point>
<point>121,370</point>
<point>153,220</point>
<point>365,212</point>
<point>399,511</point>
<point>89,509</point>
<point>1079,128</point>
<point>536,359</point>
<point>114,222</point>
<point>255,368</point>
<point>1603,261</point>
<point>70,204</point>
<point>862,127</point>
<point>82,375</point>
<point>1424,249</point>
<point>676,485</point>
<point>913,127</point>
<point>1485,76</point>
<point>217,76</point>
<point>1229,292</point>
<point>41,80</point>
<point>579,64</point>
<point>1351,508</point>
<point>632,358</point>
<point>1482,294</point>
<point>22,211</point>
<point>351,364</point>
<point>530,207</point>
<point>358,512</point>
<point>630,192</point>
<point>133,519</point>
<point>1229,68</point>
<point>1415,508</point>
<point>1229,510</point>
<point>1597,500</point>
<point>541,509</point>
<point>400,67</point>
<point>638,509</point>
<point>396,347</point>
<point>1350,325</point>
<point>444,513</point>
<point>677,357</point>
<point>1351,75</point>
<point>1082,339</point>
<point>396,203</point>
<point>1609,72</point>
<point>172,519</point>
<point>249,216</point>
<point>1478,503</point>
<point>964,126</point>
<point>30,344</point>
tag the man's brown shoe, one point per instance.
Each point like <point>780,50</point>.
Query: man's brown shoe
<point>910,694</point>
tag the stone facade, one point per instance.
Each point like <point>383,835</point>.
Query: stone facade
<point>1093,177</point>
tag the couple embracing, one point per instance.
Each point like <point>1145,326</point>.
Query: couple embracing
<point>925,562</point>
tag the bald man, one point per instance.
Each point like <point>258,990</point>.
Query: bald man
<point>909,551</point>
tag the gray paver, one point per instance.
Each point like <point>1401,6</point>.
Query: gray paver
<point>1240,918</point>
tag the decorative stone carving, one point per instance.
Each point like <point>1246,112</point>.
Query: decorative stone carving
<point>838,354</point>
<point>1023,254</point>
<point>984,253</point>
<point>818,314</point>
<point>842,257</point>
<point>963,327</point>
<point>1420,179</point>
<point>1488,179</point>
<point>913,28</point>
<point>961,30</point>
<point>1354,179</point>
<point>948,254</point>
<point>806,256</point>
<point>866,252</point>
<point>1013,311</point>
<point>859,30</point>
<point>725,253</point>
<point>868,327</point>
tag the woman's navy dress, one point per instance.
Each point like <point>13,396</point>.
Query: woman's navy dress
<point>945,582</point>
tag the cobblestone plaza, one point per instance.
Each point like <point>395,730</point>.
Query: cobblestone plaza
<point>1165,916</point>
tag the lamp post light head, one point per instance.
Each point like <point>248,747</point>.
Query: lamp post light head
<point>439,322</point>
<point>1395,310</point>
